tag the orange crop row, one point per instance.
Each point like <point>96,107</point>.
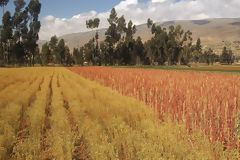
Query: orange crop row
<point>206,101</point>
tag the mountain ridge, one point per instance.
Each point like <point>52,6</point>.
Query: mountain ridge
<point>213,32</point>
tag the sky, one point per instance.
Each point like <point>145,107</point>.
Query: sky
<point>59,17</point>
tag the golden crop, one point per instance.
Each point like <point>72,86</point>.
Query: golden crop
<point>52,113</point>
<point>202,101</point>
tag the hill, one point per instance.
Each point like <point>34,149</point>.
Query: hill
<point>214,33</point>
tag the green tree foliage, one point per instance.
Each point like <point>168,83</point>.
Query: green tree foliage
<point>78,56</point>
<point>20,20</point>
<point>1,55</point>
<point>208,56</point>
<point>20,32</point>
<point>227,56</point>
<point>46,54</point>
<point>176,39</point>
<point>186,48</point>
<point>3,3</point>
<point>121,25</point>
<point>173,46</point>
<point>112,35</point>
<point>38,59</point>
<point>89,49</point>
<point>6,35</point>
<point>129,44</point>
<point>104,53</point>
<point>7,30</point>
<point>34,8</point>
<point>68,57</point>
<point>122,55</point>
<point>53,45</point>
<point>149,23</point>
<point>61,51</point>
<point>139,51</point>
<point>197,51</point>
<point>57,52</point>
<point>159,45</point>
<point>130,31</point>
<point>18,48</point>
<point>92,24</point>
<point>120,41</point>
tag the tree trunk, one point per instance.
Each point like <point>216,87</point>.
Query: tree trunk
<point>33,60</point>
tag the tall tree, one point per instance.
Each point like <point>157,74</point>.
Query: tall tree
<point>104,53</point>
<point>121,25</point>
<point>6,35</point>
<point>149,23</point>
<point>3,3</point>
<point>186,49</point>
<point>112,34</point>
<point>130,42</point>
<point>197,53</point>
<point>89,48</point>
<point>68,57</point>
<point>92,24</point>
<point>78,56</point>
<point>139,51</point>
<point>157,46</point>
<point>54,49</point>
<point>208,56</point>
<point>61,50</point>
<point>227,56</point>
<point>130,31</point>
<point>46,56</point>
<point>34,8</point>
<point>177,37</point>
<point>20,20</point>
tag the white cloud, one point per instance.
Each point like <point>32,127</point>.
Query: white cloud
<point>124,5</point>
<point>139,12</point>
<point>158,1</point>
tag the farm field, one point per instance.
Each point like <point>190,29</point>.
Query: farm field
<point>195,67</point>
<point>53,113</point>
<point>202,101</point>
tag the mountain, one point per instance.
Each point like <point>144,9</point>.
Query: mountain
<point>214,33</point>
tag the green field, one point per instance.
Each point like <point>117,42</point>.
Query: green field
<point>204,68</point>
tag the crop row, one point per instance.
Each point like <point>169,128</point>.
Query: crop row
<point>55,114</point>
<point>202,101</point>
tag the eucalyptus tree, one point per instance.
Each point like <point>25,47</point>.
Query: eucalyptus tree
<point>149,23</point>
<point>92,24</point>
<point>3,3</point>
<point>34,8</point>
<point>6,35</point>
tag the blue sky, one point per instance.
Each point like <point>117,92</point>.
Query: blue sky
<point>68,8</point>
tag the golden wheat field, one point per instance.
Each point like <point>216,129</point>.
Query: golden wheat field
<point>53,113</point>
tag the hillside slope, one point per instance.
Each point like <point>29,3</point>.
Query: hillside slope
<point>213,32</point>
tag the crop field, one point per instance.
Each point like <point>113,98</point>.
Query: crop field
<point>53,113</point>
<point>207,102</point>
<point>194,67</point>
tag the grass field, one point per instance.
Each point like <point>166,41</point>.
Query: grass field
<point>215,68</point>
<point>52,113</point>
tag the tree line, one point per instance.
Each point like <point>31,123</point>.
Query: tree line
<point>168,46</point>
